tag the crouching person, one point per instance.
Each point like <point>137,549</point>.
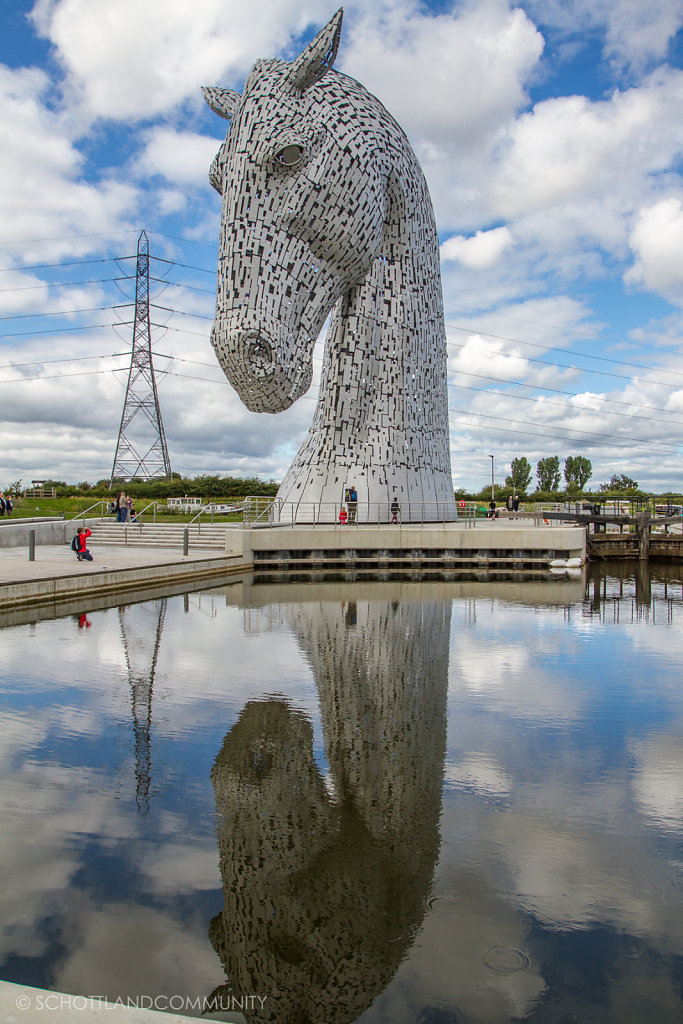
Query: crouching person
<point>82,534</point>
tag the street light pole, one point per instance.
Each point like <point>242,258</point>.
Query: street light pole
<point>491,458</point>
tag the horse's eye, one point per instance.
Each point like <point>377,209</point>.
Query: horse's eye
<point>289,156</point>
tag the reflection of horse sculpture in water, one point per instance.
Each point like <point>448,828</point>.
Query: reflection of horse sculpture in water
<point>325,887</point>
<point>325,205</point>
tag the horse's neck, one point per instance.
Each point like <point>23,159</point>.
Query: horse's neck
<point>386,331</point>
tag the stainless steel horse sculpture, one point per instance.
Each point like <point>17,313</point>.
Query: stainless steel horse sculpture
<point>325,208</point>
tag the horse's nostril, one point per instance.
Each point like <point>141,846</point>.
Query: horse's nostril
<point>260,354</point>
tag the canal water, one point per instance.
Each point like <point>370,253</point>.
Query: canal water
<point>352,800</point>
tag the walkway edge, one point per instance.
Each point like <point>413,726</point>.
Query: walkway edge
<point>63,588</point>
<point>22,1004</point>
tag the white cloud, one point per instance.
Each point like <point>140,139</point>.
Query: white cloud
<point>43,194</point>
<point>182,158</point>
<point>453,75</point>
<point>485,357</point>
<point>126,59</point>
<point>657,242</point>
<point>635,33</point>
<point>570,150</point>
<point>480,252</point>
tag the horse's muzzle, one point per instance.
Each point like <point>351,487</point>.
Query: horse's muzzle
<point>264,382</point>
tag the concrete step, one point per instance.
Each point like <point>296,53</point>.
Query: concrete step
<point>156,535</point>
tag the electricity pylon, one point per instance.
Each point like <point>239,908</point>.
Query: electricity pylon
<point>142,455</point>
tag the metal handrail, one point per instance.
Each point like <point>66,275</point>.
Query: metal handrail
<point>139,515</point>
<point>256,507</point>
<point>204,508</point>
<point>78,515</point>
<point>261,511</point>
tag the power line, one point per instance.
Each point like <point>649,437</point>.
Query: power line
<point>177,284</point>
<point>177,330</point>
<point>177,238</point>
<point>182,359</point>
<point>551,327</point>
<point>70,359</point>
<point>63,238</point>
<point>577,430</point>
<point>62,376</point>
<point>562,366</point>
<point>63,312</point>
<point>66,330</point>
<point>167,309</point>
<point>554,437</point>
<point>542,387</point>
<point>185,266</point>
<point>548,434</point>
<point>590,441</point>
<point>72,284</point>
<point>546,348</point>
<point>71,263</point>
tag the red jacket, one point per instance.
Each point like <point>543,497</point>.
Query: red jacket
<point>83,539</point>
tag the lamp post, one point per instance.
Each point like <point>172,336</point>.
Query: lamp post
<point>491,458</point>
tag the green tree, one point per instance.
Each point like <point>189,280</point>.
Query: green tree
<point>548,473</point>
<point>520,475</point>
<point>620,482</point>
<point>577,472</point>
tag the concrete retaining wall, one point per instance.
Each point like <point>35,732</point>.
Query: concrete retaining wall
<point>14,533</point>
<point>493,542</point>
<point>118,581</point>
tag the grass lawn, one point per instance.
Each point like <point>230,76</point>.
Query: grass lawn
<point>72,507</point>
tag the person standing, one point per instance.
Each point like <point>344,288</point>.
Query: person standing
<point>353,503</point>
<point>395,509</point>
<point>121,508</point>
<point>3,504</point>
<point>343,516</point>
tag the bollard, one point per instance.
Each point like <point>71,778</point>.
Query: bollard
<point>186,540</point>
<point>31,545</point>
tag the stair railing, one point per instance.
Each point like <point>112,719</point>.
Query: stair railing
<point>138,515</point>
<point>103,510</point>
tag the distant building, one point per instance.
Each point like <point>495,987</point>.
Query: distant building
<point>185,504</point>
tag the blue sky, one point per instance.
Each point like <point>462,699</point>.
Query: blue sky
<point>551,137</point>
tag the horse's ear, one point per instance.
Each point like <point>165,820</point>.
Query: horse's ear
<point>222,101</point>
<point>316,60</point>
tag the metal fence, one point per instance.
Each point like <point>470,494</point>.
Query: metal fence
<point>261,511</point>
<point>268,511</point>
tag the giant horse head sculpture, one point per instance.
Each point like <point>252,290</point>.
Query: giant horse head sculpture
<point>306,200</point>
<point>325,207</point>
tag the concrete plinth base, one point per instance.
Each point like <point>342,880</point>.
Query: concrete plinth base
<point>513,544</point>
